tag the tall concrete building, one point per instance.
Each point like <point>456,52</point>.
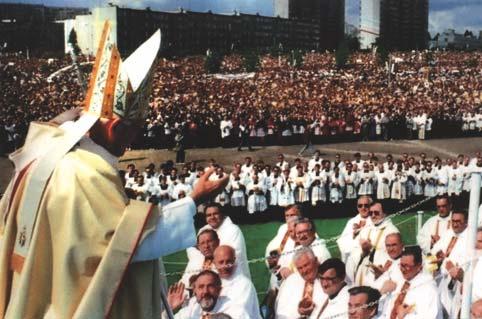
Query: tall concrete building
<point>328,14</point>
<point>34,27</point>
<point>187,32</point>
<point>399,24</point>
<point>369,22</point>
<point>404,24</point>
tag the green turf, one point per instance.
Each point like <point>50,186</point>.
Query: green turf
<point>257,237</point>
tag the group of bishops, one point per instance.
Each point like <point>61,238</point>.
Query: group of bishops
<point>377,275</point>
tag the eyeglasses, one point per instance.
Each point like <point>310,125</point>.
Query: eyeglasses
<point>406,266</point>
<point>363,205</point>
<point>375,213</point>
<point>302,232</point>
<point>328,278</point>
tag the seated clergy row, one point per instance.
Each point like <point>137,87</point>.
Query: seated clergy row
<point>371,248</point>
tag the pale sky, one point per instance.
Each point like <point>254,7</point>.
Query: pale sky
<point>455,14</point>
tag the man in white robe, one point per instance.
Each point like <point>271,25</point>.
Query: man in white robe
<point>466,168</point>
<point>301,288</point>
<point>430,178</point>
<point>280,262</point>
<point>417,297</point>
<point>226,126</point>
<point>285,189</point>
<point>282,164</point>
<point>301,180</point>
<point>456,273</point>
<point>391,270</point>
<point>228,233</point>
<point>363,302</point>
<point>436,225</point>
<point>207,300</point>
<point>305,232</point>
<point>336,185</point>
<point>316,160</point>
<point>317,185</point>
<point>384,179</point>
<point>358,161</point>
<point>235,285</point>
<point>442,178</point>
<point>455,179</point>
<point>182,188</point>
<point>256,192</point>
<point>237,189</point>
<point>451,256</point>
<point>282,237</point>
<point>370,248</point>
<point>399,181</point>
<point>207,242</point>
<point>351,180</point>
<point>354,226</point>
<point>294,168</point>
<point>140,188</point>
<point>271,181</point>
<point>332,279</point>
<point>247,167</point>
<point>367,181</point>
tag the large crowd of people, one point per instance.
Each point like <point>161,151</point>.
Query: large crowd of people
<point>28,95</point>
<point>78,238</point>
<point>377,275</point>
<point>438,96</point>
<point>258,190</point>
<point>282,104</point>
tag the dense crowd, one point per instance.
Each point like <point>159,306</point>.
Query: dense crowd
<point>72,229</point>
<point>259,189</point>
<point>27,95</point>
<point>423,96</point>
<point>280,103</point>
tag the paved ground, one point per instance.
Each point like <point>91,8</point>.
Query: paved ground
<point>444,148</point>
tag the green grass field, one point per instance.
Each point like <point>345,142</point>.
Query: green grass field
<point>257,238</point>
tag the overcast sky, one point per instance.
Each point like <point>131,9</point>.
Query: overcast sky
<point>456,14</point>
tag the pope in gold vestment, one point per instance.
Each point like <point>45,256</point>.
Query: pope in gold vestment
<point>86,233</point>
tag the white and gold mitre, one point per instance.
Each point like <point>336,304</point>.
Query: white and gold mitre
<point>116,87</point>
<point>121,87</point>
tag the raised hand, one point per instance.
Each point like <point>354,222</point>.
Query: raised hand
<point>206,188</point>
<point>175,296</point>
